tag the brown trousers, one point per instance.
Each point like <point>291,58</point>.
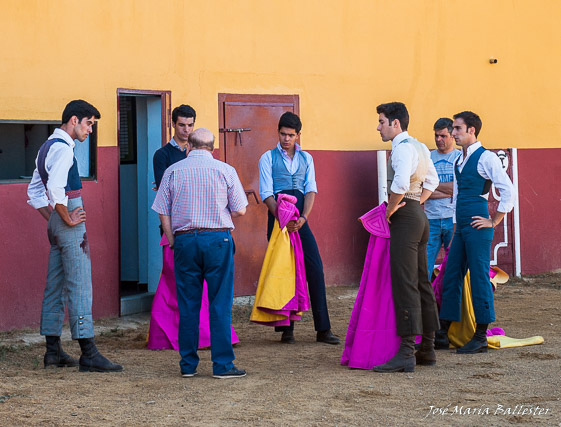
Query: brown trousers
<point>415,306</point>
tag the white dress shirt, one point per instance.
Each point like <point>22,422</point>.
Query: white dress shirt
<point>405,160</point>
<point>489,167</point>
<point>58,162</point>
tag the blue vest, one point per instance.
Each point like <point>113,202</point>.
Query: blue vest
<point>471,186</point>
<point>282,179</point>
<point>73,182</point>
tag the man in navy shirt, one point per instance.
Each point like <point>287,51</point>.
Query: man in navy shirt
<point>183,122</point>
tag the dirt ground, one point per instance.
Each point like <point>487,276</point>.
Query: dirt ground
<point>300,384</point>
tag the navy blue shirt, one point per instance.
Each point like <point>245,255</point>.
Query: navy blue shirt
<point>164,158</point>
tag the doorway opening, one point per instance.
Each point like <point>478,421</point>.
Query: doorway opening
<point>143,126</point>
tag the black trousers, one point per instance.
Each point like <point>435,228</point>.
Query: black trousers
<point>415,306</point>
<point>313,266</point>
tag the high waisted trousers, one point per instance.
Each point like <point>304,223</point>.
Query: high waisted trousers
<point>69,278</point>
<point>415,306</point>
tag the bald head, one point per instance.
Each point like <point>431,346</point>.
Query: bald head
<point>201,139</point>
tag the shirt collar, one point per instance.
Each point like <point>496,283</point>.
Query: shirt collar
<point>283,151</point>
<point>399,138</point>
<point>473,147</point>
<point>59,133</point>
<point>199,152</point>
<point>176,145</point>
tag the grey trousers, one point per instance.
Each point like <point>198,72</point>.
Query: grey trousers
<point>415,306</point>
<point>69,279</point>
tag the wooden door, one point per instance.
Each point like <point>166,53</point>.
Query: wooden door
<point>243,149</point>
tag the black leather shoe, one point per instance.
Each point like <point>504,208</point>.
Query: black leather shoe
<point>288,337</point>
<point>473,347</point>
<point>328,337</point>
<point>441,341</point>
<point>92,360</point>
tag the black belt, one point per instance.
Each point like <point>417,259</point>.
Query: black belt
<point>199,230</point>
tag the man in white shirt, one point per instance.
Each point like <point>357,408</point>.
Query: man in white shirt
<point>55,191</point>
<point>475,170</point>
<point>411,180</point>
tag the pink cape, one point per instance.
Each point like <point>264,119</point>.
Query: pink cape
<point>286,212</point>
<point>371,338</point>
<point>164,322</point>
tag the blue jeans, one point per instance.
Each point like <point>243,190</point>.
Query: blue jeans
<point>69,278</point>
<point>205,256</point>
<point>440,234</point>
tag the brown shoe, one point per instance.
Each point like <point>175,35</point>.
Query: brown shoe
<point>403,361</point>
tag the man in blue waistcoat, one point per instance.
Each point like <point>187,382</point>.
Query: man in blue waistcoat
<point>287,169</point>
<point>55,191</point>
<point>475,170</point>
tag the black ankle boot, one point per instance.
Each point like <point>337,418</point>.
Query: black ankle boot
<point>93,361</point>
<point>404,360</point>
<point>441,340</point>
<point>55,355</point>
<point>426,354</point>
<point>478,344</point>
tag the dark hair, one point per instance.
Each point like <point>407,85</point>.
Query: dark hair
<point>471,120</point>
<point>183,111</point>
<point>443,123</point>
<point>80,109</point>
<point>393,111</point>
<point>291,121</point>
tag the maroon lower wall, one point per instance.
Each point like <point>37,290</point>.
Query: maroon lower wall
<point>539,189</point>
<point>24,247</point>
<point>347,188</point>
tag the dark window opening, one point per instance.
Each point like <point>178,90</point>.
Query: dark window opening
<point>20,143</point>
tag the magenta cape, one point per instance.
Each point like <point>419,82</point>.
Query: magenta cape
<point>164,322</point>
<point>371,338</point>
<point>280,299</point>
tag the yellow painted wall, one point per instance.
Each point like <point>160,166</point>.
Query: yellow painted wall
<point>342,58</point>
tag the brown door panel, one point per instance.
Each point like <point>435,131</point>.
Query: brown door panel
<point>258,116</point>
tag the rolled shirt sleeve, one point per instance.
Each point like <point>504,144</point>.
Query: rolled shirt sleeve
<point>162,201</point>
<point>266,175</point>
<point>490,167</point>
<point>58,162</point>
<point>237,199</point>
<point>310,185</point>
<point>36,192</point>
<point>403,159</point>
<point>431,180</point>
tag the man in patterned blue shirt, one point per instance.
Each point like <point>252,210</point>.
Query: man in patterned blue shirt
<point>439,207</point>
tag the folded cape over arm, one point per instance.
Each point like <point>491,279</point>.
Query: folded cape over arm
<point>282,292</point>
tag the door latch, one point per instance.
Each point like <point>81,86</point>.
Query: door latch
<point>238,130</point>
<point>253,193</point>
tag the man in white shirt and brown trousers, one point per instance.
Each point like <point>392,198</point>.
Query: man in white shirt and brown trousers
<point>475,170</point>
<point>411,180</point>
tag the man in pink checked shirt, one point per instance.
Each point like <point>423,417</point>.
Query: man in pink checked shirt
<point>196,201</point>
